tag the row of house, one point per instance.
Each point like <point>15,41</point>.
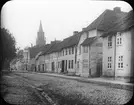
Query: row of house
<point>104,48</point>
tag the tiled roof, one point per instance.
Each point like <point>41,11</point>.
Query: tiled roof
<point>46,48</point>
<point>59,45</point>
<point>105,20</point>
<point>88,41</point>
<point>54,47</point>
<point>70,41</point>
<point>121,24</point>
<point>35,50</point>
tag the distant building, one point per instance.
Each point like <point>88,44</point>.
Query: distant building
<point>41,40</point>
<point>30,53</point>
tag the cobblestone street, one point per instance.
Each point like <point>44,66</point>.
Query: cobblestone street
<point>63,91</point>
<point>15,90</point>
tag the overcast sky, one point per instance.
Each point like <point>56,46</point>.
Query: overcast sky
<point>59,17</point>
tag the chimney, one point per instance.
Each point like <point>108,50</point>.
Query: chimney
<point>75,32</point>
<point>117,9</point>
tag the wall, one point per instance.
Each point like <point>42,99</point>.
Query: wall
<point>85,63</point>
<point>95,58</point>
<point>125,49</point>
<point>92,33</point>
<point>68,57</point>
<point>108,52</point>
<point>83,36</point>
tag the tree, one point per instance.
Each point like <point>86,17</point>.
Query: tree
<point>8,51</point>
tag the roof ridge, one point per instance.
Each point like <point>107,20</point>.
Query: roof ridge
<point>103,14</point>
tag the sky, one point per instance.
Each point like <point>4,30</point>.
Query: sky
<point>59,17</point>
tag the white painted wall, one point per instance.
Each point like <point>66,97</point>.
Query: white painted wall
<point>124,50</point>
<point>79,55</point>
<point>92,33</point>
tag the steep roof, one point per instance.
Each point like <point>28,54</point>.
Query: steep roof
<point>88,41</point>
<point>70,41</point>
<point>105,20</point>
<point>54,47</point>
<point>59,45</point>
<point>35,50</point>
<point>46,48</point>
<point>121,24</point>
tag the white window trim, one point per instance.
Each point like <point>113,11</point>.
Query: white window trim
<point>119,39</point>
<point>109,42</point>
<point>109,62</point>
<point>120,61</point>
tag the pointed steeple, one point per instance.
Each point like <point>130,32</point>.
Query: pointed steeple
<point>41,40</point>
<point>40,28</point>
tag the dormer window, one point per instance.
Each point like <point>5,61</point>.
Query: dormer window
<point>109,42</point>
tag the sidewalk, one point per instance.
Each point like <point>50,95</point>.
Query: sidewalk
<point>99,81</point>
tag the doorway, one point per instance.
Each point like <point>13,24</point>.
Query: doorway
<point>62,66</point>
<point>52,66</point>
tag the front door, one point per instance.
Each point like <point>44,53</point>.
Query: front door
<point>66,66</point>
<point>62,66</point>
<point>52,66</point>
<point>42,67</point>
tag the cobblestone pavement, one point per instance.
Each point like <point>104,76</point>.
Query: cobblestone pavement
<point>16,91</point>
<point>71,92</point>
<point>62,91</point>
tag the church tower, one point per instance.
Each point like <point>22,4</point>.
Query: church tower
<point>41,40</point>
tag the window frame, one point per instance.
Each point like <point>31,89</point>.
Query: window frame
<point>72,50</point>
<point>120,62</point>
<point>110,42</point>
<point>119,39</point>
<point>66,51</point>
<point>72,64</point>
<point>109,62</point>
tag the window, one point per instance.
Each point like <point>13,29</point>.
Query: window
<point>69,64</point>
<point>119,38</point>
<point>69,51</point>
<point>72,64</point>
<point>109,63</point>
<point>63,52</point>
<point>66,51</point>
<point>109,41</point>
<point>72,50</point>
<point>43,67</point>
<point>77,64</point>
<point>120,62</point>
<point>85,49</point>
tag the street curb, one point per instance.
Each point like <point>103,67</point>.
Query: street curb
<point>111,85</point>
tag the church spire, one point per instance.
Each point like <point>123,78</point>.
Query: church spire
<point>41,40</point>
<point>40,28</point>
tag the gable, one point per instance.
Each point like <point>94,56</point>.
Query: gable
<point>82,38</point>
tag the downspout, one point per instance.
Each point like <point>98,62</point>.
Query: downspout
<point>115,58</point>
<point>89,63</point>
